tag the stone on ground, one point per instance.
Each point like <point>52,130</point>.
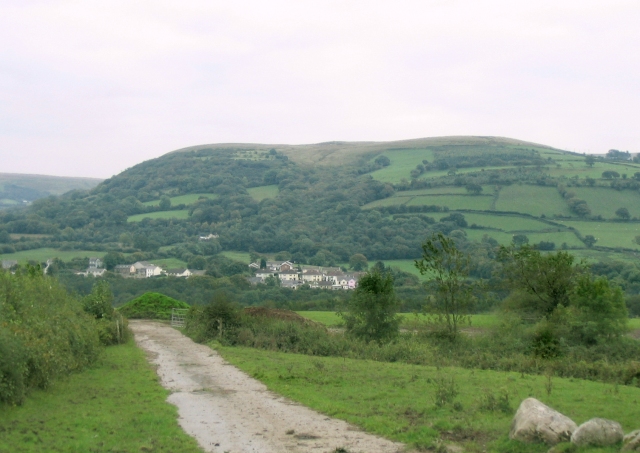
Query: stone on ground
<point>597,432</point>
<point>631,441</point>
<point>537,422</point>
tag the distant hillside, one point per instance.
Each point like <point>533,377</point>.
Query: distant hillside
<point>321,204</point>
<point>16,188</point>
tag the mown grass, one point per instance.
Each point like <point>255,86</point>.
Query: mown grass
<point>263,192</point>
<point>506,222</point>
<point>534,200</point>
<point>609,234</point>
<point>577,168</point>
<point>116,406</point>
<point>43,254</point>
<point>606,202</point>
<point>398,401</point>
<point>181,214</point>
<point>184,199</point>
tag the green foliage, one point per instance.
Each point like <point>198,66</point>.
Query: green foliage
<point>44,334</point>
<point>371,310</point>
<point>117,405</point>
<point>449,269</point>
<point>112,327</point>
<point>219,317</point>
<point>151,306</point>
<point>358,262</point>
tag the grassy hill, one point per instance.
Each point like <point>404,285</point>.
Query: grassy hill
<point>324,202</point>
<point>16,188</point>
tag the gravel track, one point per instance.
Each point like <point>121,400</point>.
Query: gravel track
<point>227,411</point>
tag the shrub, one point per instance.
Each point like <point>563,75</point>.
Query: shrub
<point>151,306</point>
<point>44,334</point>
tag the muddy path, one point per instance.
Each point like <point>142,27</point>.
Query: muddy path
<point>227,411</point>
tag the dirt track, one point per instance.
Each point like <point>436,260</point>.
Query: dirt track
<point>227,411</point>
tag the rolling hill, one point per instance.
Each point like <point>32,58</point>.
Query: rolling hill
<point>323,203</point>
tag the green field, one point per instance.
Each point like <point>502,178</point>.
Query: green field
<point>609,234</point>
<point>508,223</point>
<point>263,192</point>
<point>402,162</point>
<point>184,199</point>
<point>534,200</point>
<point>43,254</point>
<point>243,257</point>
<point>404,265</point>
<point>579,168</point>
<point>605,202</point>
<point>169,263</point>
<point>397,401</point>
<point>477,202</point>
<point>180,215</point>
<point>116,406</point>
<point>331,319</point>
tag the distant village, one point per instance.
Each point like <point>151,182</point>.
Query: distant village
<point>293,277</point>
<point>283,273</point>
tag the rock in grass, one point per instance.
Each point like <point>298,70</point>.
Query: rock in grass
<point>536,422</point>
<point>597,432</point>
<point>631,441</point>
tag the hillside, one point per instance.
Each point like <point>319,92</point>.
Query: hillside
<point>16,188</point>
<point>320,204</point>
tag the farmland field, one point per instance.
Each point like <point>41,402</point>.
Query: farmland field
<point>184,199</point>
<point>505,222</point>
<point>169,263</point>
<point>478,202</point>
<point>43,254</point>
<point>242,257</point>
<point>181,215</point>
<point>609,234</point>
<point>579,169</point>
<point>605,202</point>
<point>534,200</point>
<point>263,192</point>
<point>331,319</point>
<point>402,162</point>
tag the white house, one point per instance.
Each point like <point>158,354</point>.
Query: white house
<point>183,273</point>
<point>144,269</point>
<point>95,262</point>
<point>289,276</point>
<point>312,275</point>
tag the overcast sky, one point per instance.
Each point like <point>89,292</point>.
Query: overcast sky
<point>90,88</point>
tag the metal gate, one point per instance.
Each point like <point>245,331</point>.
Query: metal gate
<point>178,315</point>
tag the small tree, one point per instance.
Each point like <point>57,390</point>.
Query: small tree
<point>473,188</point>
<point>590,161</point>
<point>520,239</point>
<point>371,311</point>
<point>165,203</point>
<point>623,213</point>
<point>358,262</point>
<point>589,240</point>
<point>449,269</point>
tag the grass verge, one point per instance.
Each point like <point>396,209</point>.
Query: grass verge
<point>117,406</point>
<point>399,401</point>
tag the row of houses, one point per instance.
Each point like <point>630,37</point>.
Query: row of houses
<point>144,269</point>
<point>324,278</point>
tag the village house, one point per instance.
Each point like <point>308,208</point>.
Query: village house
<point>95,262</point>
<point>181,273</point>
<point>289,275</point>
<point>312,275</point>
<point>8,264</point>
<point>208,237</point>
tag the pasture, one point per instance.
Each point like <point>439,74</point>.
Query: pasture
<point>534,200</point>
<point>243,257</point>
<point>331,319</point>
<point>453,202</point>
<point>609,234</point>
<point>169,263</point>
<point>181,214</point>
<point>263,192</point>
<point>605,202</point>
<point>402,162</point>
<point>187,200</point>
<point>43,254</point>
<point>398,401</point>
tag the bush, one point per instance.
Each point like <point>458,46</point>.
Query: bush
<point>151,306</point>
<point>44,334</point>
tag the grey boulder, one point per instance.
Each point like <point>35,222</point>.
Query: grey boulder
<point>631,441</point>
<point>536,422</point>
<point>597,432</point>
